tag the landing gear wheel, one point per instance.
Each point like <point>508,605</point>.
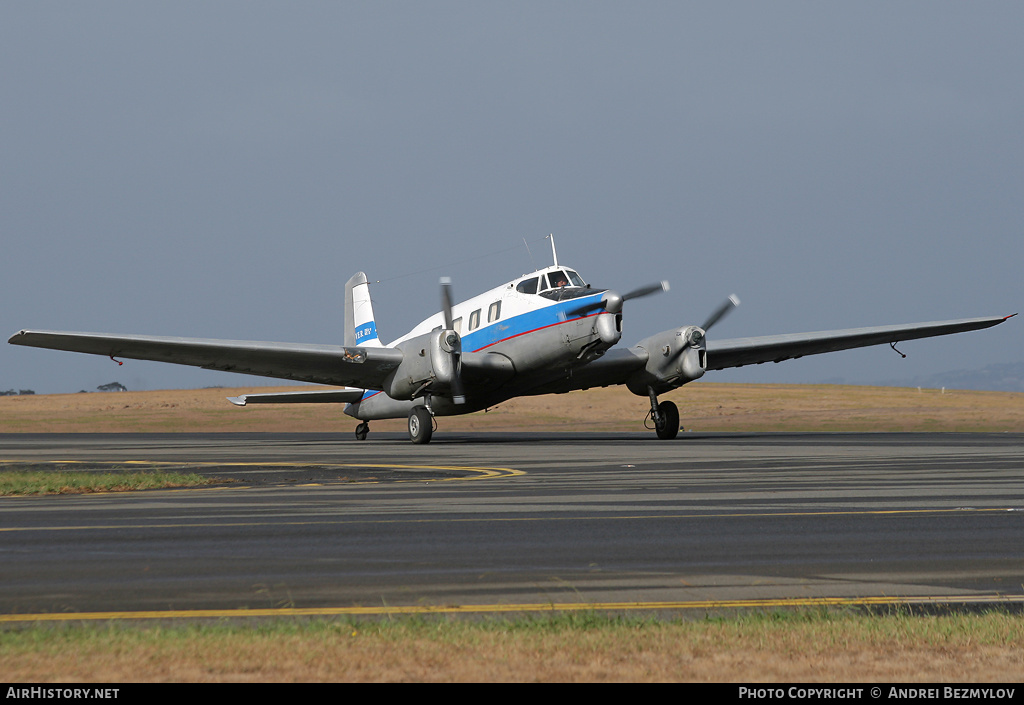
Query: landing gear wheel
<point>361,431</point>
<point>667,424</point>
<point>421,425</point>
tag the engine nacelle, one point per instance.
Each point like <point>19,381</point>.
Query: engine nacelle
<point>431,361</point>
<point>674,357</point>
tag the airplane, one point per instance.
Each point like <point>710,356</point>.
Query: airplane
<point>546,332</point>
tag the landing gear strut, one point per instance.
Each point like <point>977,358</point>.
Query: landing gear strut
<point>421,425</point>
<point>665,416</point>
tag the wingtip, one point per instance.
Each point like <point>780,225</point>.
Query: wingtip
<point>237,401</point>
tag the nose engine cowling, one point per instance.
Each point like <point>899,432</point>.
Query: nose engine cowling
<point>609,328</point>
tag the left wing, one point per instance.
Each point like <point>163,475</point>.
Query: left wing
<point>363,367</point>
<point>618,366</point>
<point>776,348</point>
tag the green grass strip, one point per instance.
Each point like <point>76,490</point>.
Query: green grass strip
<point>35,482</point>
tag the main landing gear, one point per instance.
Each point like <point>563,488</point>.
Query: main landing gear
<point>665,416</point>
<point>421,426</point>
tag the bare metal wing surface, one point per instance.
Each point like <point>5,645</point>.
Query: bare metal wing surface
<point>619,366</point>
<point>363,367</point>
<point>776,348</point>
<point>336,365</point>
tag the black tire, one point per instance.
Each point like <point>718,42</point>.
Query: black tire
<point>362,430</point>
<point>421,425</point>
<point>669,426</point>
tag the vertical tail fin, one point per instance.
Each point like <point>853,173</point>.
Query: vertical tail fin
<point>360,328</point>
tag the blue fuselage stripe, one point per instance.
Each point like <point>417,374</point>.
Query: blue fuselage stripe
<point>520,325</point>
<point>524,323</point>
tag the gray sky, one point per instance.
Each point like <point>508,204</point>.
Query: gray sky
<point>219,169</point>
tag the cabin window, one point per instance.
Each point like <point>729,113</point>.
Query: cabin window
<point>494,312</point>
<point>527,286</point>
<point>474,320</point>
<point>457,325</point>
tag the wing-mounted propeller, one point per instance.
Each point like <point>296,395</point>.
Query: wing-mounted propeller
<point>696,337</point>
<point>452,341</point>
<point>676,356</point>
<point>719,313</point>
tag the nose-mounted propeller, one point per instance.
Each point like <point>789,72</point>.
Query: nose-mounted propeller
<point>453,340</point>
<point>611,301</point>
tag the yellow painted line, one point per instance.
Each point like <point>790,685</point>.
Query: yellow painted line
<point>490,519</point>
<point>524,607</point>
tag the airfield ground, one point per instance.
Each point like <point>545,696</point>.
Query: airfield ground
<point>765,648</point>
<point>704,407</point>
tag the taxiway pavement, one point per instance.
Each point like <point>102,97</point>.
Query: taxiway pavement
<point>482,521</point>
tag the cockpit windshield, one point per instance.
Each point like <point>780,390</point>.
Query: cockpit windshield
<point>559,278</point>
<point>557,284</point>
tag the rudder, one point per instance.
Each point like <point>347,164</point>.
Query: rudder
<point>360,326</point>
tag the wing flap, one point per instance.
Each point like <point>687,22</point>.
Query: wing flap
<point>776,348</point>
<point>323,364</point>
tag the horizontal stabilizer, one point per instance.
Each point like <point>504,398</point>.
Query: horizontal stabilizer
<point>320,396</point>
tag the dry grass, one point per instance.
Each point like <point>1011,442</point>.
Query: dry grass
<point>703,407</point>
<point>759,648</point>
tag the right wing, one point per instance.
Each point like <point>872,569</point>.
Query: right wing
<point>346,366</point>
<point>348,395</point>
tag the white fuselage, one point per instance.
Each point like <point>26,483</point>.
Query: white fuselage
<point>531,321</point>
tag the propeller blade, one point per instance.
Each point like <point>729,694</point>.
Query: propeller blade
<point>446,301</point>
<point>729,304</point>
<point>646,290</point>
<point>612,300</point>
<point>458,392</point>
<point>698,337</point>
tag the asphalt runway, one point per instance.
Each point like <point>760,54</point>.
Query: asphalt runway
<point>492,522</point>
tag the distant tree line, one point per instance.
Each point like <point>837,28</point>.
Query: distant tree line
<point>112,387</point>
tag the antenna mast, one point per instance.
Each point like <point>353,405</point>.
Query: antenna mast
<point>554,255</point>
